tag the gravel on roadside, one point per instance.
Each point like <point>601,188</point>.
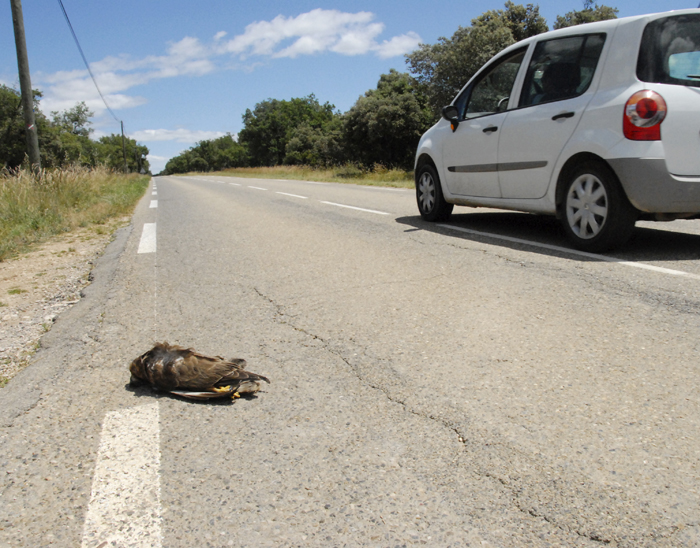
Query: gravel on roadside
<point>37,286</point>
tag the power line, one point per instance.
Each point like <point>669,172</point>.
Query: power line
<point>87,65</point>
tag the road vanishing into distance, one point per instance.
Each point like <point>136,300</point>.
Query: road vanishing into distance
<point>469,383</point>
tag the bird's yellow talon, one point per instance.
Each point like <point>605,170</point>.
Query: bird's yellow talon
<point>235,395</point>
<point>222,389</point>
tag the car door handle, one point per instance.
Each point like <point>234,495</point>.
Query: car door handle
<point>490,129</point>
<point>563,115</point>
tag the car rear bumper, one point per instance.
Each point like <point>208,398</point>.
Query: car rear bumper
<point>652,189</point>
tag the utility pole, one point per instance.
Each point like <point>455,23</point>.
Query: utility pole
<point>126,169</point>
<point>25,84</point>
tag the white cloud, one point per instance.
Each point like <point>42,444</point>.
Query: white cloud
<point>180,135</point>
<point>310,33</point>
<point>317,31</point>
<point>157,163</point>
<point>358,41</point>
<point>58,98</point>
<point>398,45</point>
<point>116,74</point>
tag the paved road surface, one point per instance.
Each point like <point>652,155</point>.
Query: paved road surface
<point>467,384</point>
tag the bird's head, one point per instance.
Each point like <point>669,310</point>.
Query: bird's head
<point>138,370</point>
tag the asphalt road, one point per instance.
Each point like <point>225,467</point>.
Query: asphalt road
<point>472,383</point>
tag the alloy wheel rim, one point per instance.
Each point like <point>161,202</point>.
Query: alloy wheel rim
<point>587,206</point>
<point>426,192</point>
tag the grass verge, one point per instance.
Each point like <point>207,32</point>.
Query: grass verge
<point>35,207</point>
<point>377,176</point>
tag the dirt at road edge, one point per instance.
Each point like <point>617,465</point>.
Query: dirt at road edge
<point>37,286</point>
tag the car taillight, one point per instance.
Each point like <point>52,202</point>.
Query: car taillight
<point>644,112</point>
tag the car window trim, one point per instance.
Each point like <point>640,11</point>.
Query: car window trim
<point>483,70</point>
<point>603,54</point>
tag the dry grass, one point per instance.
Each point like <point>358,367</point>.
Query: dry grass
<point>34,207</point>
<point>377,176</point>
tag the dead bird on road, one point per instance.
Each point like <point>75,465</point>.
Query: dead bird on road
<point>184,372</point>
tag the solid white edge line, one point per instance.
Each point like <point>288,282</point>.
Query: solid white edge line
<point>293,195</point>
<point>147,244</point>
<point>125,506</point>
<point>594,256</point>
<point>357,208</point>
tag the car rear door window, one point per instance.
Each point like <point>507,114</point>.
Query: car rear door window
<point>561,69</point>
<point>670,51</point>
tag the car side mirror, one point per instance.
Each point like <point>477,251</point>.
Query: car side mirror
<point>451,114</point>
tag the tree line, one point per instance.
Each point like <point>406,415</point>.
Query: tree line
<point>385,124</point>
<point>64,138</point>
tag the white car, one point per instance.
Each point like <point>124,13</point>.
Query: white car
<point>598,124</point>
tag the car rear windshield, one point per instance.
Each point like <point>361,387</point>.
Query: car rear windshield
<point>670,51</point>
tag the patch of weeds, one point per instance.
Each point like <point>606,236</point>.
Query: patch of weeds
<point>2,304</point>
<point>71,250</point>
<point>39,274</point>
<point>349,171</point>
<point>3,381</point>
<point>33,207</point>
<point>16,291</point>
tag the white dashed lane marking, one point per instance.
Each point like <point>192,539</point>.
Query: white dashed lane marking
<point>357,208</point>
<point>148,239</point>
<point>257,187</point>
<point>125,507</point>
<point>154,204</point>
<point>293,195</point>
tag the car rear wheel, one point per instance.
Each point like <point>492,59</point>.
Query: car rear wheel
<point>431,202</point>
<point>595,211</point>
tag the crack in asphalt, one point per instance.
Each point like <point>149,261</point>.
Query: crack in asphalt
<point>445,423</point>
<point>518,491</point>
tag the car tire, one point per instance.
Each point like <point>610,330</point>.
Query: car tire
<point>431,202</point>
<point>595,212</point>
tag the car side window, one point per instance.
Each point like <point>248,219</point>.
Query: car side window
<point>490,92</point>
<point>561,69</point>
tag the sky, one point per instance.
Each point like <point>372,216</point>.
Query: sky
<point>177,72</point>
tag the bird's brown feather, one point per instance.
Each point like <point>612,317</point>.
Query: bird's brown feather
<point>171,367</point>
